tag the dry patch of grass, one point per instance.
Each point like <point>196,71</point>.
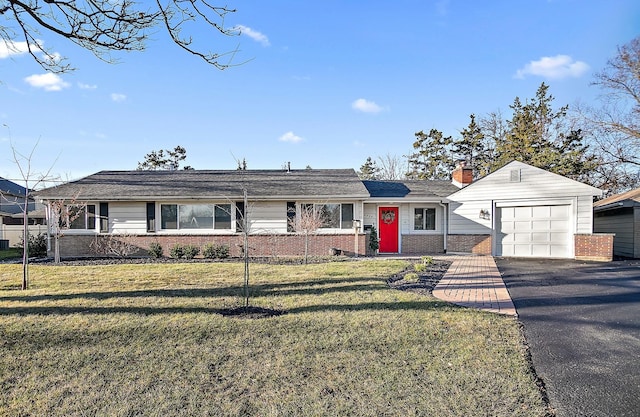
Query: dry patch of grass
<point>126,340</point>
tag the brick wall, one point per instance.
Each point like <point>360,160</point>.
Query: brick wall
<point>418,244</point>
<point>480,244</point>
<point>260,245</point>
<point>594,247</point>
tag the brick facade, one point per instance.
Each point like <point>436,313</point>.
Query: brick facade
<point>480,244</point>
<point>595,247</point>
<point>260,245</point>
<point>419,244</point>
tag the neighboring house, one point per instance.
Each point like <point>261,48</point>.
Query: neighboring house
<point>11,212</point>
<point>518,210</point>
<point>620,214</point>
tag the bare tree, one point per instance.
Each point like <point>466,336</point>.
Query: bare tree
<point>614,126</point>
<point>31,180</point>
<point>391,167</point>
<point>105,26</point>
<point>244,226</point>
<point>60,216</point>
<point>306,221</point>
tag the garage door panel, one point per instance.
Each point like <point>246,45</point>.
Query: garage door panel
<point>534,231</point>
<point>559,225</point>
<point>539,237</point>
<point>542,251</point>
<point>559,212</point>
<point>541,225</point>
<point>541,211</point>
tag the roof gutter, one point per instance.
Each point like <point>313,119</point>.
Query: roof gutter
<point>610,206</point>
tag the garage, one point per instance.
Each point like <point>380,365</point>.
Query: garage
<point>542,231</point>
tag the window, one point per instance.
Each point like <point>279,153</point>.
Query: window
<point>332,216</point>
<point>240,217</point>
<point>151,217</point>
<point>104,217</point>
<point>81,218</point>
<point>195,216</point>
<point>424,219</point>
<point>291,216</point>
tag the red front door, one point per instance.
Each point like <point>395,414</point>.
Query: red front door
<point>388,226</point>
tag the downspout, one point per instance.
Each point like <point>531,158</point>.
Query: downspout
<point>445,212</point>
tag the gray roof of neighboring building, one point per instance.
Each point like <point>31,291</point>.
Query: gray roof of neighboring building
<point>410,188</point>
<point>628,199</point>
<point>11,188</point>
<point>201,184</point>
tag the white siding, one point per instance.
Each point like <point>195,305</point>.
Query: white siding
<point>584,223</point>
<point>465,218</point>
<point>128,218</point>
<point>370,215</point>
<point>522,184</point>
<point>268,217</point>
<point>535,183</point>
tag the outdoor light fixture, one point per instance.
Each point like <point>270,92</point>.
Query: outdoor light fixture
<point>484,214</point>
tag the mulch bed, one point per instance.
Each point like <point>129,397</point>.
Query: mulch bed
<point>426,282</point>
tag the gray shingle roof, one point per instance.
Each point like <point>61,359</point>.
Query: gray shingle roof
<point>628,199</point>
<point>410,188</point>
<point>260,184</point>
<point>11,188</point>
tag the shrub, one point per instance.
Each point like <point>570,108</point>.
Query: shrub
<point>411,277</point>
<point>177,251</point>
<point>419,267</point>
<point>190,251</point>
<point>155,250</point>
<point>213,251</point>
<point>37,244</point>
<point>374,244</point>
<point>121,246</point>
<point>427,260</point>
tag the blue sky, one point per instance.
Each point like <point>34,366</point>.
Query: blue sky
<point>322,83</point>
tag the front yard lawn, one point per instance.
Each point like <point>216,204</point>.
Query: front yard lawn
<point>149,340</point>
<point>11,253</point>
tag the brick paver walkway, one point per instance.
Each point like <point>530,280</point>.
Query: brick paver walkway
<point>474,281</point>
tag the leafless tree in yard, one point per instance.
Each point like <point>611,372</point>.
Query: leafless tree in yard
<point>31,180</point>
<point>306,221</point>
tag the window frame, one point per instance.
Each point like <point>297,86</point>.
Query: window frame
<point>170,215</point>
<point>424,219</point>
<point>343,223</point>
<point>86,214</point>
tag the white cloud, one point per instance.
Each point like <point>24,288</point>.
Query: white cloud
<point>290,137</point>
<point>87,86</point>
<point>555,67</point>
<point>366,106</point>
<point>253,34</point>
<point>117,97</point>
<point>8,49</point>
<point>48,81</point>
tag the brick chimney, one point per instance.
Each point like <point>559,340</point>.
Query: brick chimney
<point>462,175</point>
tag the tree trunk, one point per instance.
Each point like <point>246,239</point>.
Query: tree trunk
<point>245,233</point>
<point>25,245</point>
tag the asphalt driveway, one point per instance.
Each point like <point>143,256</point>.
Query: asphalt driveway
<point>582,323</point>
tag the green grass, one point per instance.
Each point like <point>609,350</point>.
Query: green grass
<point>10,253</point>
<point>128,340</point>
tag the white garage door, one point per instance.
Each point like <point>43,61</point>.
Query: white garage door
<point>536,231</point>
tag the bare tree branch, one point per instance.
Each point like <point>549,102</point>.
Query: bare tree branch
<point>106,26</point>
